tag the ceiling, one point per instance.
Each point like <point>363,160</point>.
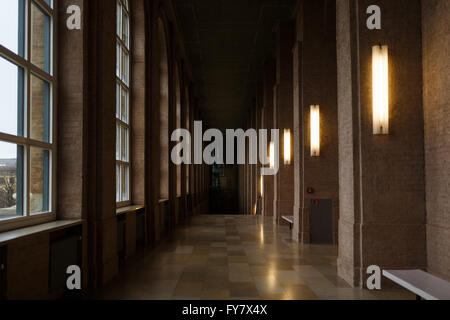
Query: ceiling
<point>227,42</point>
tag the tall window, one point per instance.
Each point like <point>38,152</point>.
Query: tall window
<point>27,144</point>
<point>123,105</point>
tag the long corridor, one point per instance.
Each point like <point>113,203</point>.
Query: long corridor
<point>237,257</point>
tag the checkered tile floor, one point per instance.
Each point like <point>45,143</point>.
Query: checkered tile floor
<point>237,257</point>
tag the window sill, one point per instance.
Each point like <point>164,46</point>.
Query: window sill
<point>9,236</point>
<point>129,209</point>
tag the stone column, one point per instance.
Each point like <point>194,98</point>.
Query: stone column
<point>252,166</point>
<point>249,174</point>
<point>299,143</point>
<point>382,187</point>
<point>284,181</point>
<point>255,167</point>
<point>315,84</point>
<point>184,124</point>
<point>268,84</point>
<point>241,189</point>
<point>192,166</point>
<point>72,112</point>
<point>435,17</point>
<point>259,125</point>
<point>102,220</point>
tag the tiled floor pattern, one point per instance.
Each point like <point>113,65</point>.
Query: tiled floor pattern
<point>237,257</point>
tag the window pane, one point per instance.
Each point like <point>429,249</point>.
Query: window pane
<point>118,187</point>
<point>125,28</point>
<point>125,67</point>
<point>11,180</point>
<point>12,25</point>
<point>11,93</point>
<point>39,180</point>
<point>118,102</point>
<point>124,106</point>
<point>119,19</point>
<point>40,38</point>
<point>118,143</point>
<point>124,143</point>
<point>50,3</point>
<point>125,185</point>
<point>119,59</point>
<point>40,106</point>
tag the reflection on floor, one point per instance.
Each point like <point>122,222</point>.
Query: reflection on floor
<point>237,257</point>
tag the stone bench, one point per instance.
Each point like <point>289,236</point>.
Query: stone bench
<point>422,284</point>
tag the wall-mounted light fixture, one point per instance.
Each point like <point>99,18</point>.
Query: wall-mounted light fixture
<point>272,155</point>
<point>315,131</point>
<point>380,89</point>
<point>287,147</point>
<point>261,185</point>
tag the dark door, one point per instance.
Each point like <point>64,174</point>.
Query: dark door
<point>321,219</point>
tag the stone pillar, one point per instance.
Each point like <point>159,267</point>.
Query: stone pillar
<point>196,171</point>
<point>192,166</point>
<point>72,111</point>
<point>241,189</point>
<point>102,221</point>
<point>255,167</point>
<point>184,124</point>
<point>268,84</point>
<point>252,168</point>
<point>298,117</point>
<point>382,187</point>
<point>172,126</point>
<point>259,125</point>
<point>315,84</point>
<point>249,209</point>
<point>436,45</point>
<point>284,180</point>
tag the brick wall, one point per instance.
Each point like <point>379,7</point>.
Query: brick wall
<point>436,78</point>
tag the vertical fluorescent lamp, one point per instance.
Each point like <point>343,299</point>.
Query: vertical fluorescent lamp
<point>315,131</point>
<point>380,89</point>
<point>287,147</point>
<point>272,155</point>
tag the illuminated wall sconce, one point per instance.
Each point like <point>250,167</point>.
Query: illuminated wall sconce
<point>254,210</point>
<point>272,155</point>
<point>380,89</point>
<point>315,131</point>
<point>261,186</point>
<point>287,147</point>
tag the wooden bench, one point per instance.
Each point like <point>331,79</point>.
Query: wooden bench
<point>422,284</point>
<point>289,219</point>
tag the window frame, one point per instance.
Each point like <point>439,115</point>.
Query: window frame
<point>125,5</point>
<point>29,70</point>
